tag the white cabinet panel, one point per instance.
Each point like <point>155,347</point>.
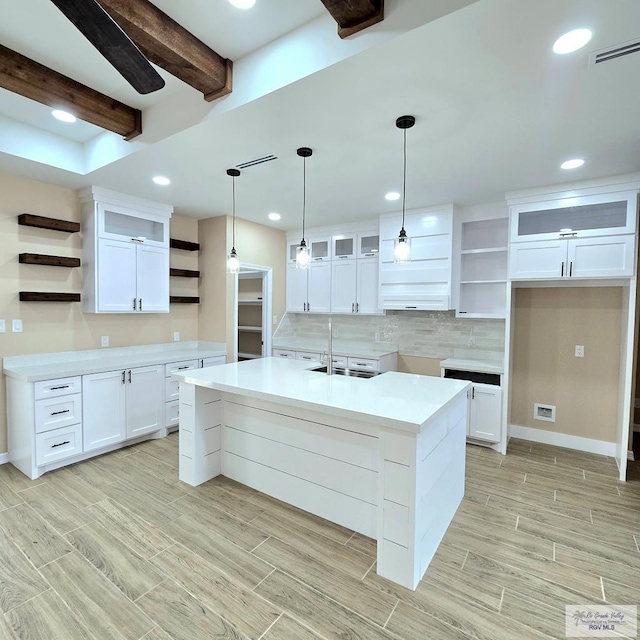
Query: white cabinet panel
<point>59,387</point>
<point>214,361</point>
<point>152,286</point>
<point>319,288</point>
<point>296,289</point>
<point>103,412</point>
<point>116,273</point>
<point>179,367</point>
<point>537,260</point>
<point>367,287</point>
<point>310,356</point>
<point>284,353</point>
<point>608,257</point>
<point>144,400</point>
<point>485,412</point>
<point>58,444</point>
<point>53,413</point>
<point>344,286</point>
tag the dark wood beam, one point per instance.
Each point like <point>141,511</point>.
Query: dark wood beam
<point>170,46</point>
<point>33,80</point>
<point>354,15</point>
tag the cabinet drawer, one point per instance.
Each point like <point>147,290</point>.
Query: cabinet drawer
<point>340,361</point>
<point>172,413</point>
<point>58,444</point>
<point>54,413</point>
<point>58,387</point>
<point>177,367</point>
<point>363,364</point>
<point>214,361</point>
<point>284,353</point>
<point>171,389</point>
<point>307,355</point>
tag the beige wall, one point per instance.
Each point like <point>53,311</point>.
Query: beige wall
<point>56,326</point>
<point>548,323</point>
<point>256,244</point>
<point>423,366</point>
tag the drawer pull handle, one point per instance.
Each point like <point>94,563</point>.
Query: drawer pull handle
<point>62,386</point>
<point>53,446</point>
<point>57,413</point>
<point>411,307</point>
<point>180,368</point>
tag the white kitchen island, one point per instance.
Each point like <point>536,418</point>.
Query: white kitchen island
<point>383,456</point>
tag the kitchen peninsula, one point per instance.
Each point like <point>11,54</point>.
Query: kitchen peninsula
<point>383,456</point>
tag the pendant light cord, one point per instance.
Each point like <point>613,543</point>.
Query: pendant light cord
<point>304,192</point>
<point>233,223</point>
<point>404,175</point>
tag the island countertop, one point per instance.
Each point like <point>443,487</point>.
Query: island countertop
<point>397,400</point>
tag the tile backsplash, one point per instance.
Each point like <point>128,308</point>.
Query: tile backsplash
<point>427,334</point>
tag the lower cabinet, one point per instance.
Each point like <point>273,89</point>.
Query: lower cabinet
<point>123,404</point>
<point>485,411</point>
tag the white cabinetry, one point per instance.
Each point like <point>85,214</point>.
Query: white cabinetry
<point>383,362</point>
<point>587,236</point>
<point>309,290</point>
<point>125,253</point>
<point>123,404</point>
<point>425,282</point>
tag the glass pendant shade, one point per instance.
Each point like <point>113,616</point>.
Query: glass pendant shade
<point>303,257</point>
<point>233,264</point>
<point>402,248</point>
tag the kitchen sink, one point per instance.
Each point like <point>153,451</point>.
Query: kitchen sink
<point>354,373</point>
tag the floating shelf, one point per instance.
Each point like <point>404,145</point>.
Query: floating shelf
<point>183,244</point>
<point>184,273</point>
<point>34,296</point>
<point>51,261</point>
<point>184,299</point>
<point>466,252</point>
<point>250,329</point>
<point>248,356</point>
<point>29,220</point>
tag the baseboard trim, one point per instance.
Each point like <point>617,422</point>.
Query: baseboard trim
<point>563,440</point>
<point>4,458</point>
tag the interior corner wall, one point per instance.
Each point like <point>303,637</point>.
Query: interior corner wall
<point>548,324</point>
<point>58,326</point>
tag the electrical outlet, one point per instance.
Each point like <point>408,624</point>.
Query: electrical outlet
<point>3,326</point>
<point>16,326</point>
<point>579,351</point>
<point>104,341</point>
<point>176,336</point>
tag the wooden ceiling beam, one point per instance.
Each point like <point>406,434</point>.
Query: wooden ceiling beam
<point>170,46</point>
<point>33,80</point>
<point>353,16</point>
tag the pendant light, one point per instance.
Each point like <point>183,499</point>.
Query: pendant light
<point>402,244</point>
<point>233,264</point>
<point>303,257</point>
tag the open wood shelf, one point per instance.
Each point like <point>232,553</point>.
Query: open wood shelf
<point>36,296</point>
<point>184,299</point>
<point>250,329</point>
<point>248,356</point>
<point>51,261</point>
<point>183,244</point>
<point>184,273</point>
<point>29,220</point>
<point>250,301</point>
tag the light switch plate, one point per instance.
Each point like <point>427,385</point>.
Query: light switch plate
<point>3,326</point>
<point>176,336</point>
<point>104,341</point>
<point>579,351</point>
<point>16,326</point>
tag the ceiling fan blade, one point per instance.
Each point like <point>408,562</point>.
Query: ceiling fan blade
<point>112,42</point>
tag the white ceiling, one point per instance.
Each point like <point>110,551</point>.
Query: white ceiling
<point>496,111</point>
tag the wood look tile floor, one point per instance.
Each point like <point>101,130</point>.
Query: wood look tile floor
<point>117,548</point>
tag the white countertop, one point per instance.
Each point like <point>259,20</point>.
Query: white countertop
<point>398,400</point>
<point>467,364</point>
<point>47,366</point>
<point>372,350</point>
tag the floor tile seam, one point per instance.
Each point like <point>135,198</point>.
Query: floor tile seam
<point>587,556</point>
<point>264,633</point>
<point>49,588</point>
<point>263,579</point>
<point>395,606</point>
<point>147,592</point>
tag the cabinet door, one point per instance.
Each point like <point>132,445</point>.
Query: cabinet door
<point>296,289</point>
<point>145,401</point>
<point>116,276</point>
<point>103,409</point>
<point>485,412</point>
<point>343,286</point>
<point>343,246</point>
<point>152,281</point>
<point>538,260</point>
<point>320,249</point>
<point>608,257</point>
<point>214,361</point>
<point>367,287</point>
<point>319,290</point>
<point>368,245</point>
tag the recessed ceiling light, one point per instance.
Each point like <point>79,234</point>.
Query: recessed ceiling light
<point>243,4</point>
<point>392,195</point>
<point>572,164</point>
<point>64,116</point>
<point>572,41</point>
<point>274,216</point>
<point>161,180</point>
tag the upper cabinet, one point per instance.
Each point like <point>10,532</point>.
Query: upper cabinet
<point>425,282</point>
<point>126,253</point>
<point>581,234</point>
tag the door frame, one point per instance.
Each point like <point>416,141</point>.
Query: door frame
<point>266,274</point>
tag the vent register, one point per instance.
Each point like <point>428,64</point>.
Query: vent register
<point>614,52</point>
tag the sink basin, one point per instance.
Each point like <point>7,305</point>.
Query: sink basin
<point>354,373</point>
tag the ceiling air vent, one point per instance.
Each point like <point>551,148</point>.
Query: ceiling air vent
<point>617,51</point>
<point>255,161</point>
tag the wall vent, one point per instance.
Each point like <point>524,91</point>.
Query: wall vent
<point>254,162</point>
<point>611,53</point>
<point>545,412</point>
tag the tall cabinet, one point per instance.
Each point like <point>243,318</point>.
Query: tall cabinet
<point>125,253</point>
